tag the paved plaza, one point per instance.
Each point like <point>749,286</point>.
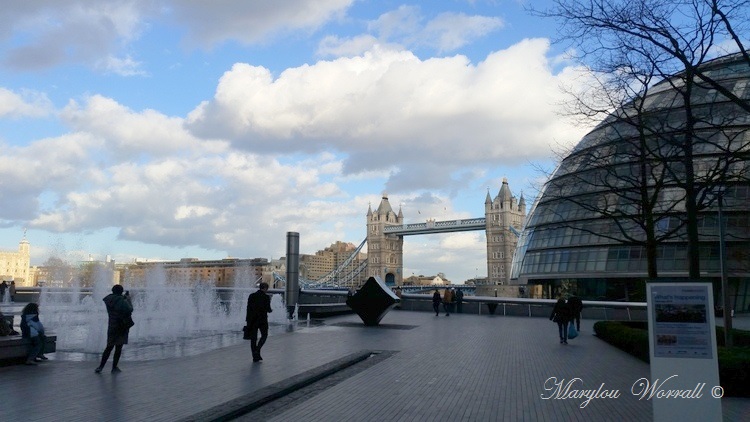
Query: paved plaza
<point>457,368</point>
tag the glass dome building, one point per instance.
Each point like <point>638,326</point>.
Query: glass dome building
<point>615,206</point>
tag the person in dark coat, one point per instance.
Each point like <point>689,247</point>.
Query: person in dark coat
<point>459,301</point>
<point>561,315</point>
<point>32,329</point>
<point>119,310</point>
<point>576,306</point>
<point>12,290</point>
<point>436,302</point>
<point>3,288</point>
<point>258,307</point>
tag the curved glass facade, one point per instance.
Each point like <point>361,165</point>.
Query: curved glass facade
<point>588,230</point>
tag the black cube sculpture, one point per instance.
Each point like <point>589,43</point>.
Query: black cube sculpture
<point>373,300</point>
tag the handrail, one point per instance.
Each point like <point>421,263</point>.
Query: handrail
<point>528,301</point>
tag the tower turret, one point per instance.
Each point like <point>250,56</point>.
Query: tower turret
<point>503,212</point>
<point>384,252</point>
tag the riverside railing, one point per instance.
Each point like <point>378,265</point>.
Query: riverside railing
<point>323,301</point>
<point>507,306</point>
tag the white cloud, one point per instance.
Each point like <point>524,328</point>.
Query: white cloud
<point>446,32</point>
<point>121,66</point>
<point>388,108</point>
<point>131,133</point>
<point>202,196</point>
<point>333,46</point>
<point>49,32</point>
<point>25,104</point>
<point>451,31</point>
<point>209,23</point>
<point>402,22</point>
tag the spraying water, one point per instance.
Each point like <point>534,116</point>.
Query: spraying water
<point>167,317</point>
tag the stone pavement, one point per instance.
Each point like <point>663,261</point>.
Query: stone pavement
<point>457,368</point>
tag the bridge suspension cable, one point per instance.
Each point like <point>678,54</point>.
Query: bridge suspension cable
<point>332,279</point>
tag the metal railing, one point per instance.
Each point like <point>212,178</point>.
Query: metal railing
<point>480,305</point>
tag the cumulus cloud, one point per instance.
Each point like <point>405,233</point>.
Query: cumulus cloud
<point>177,191</point>
<point>209,23</point>
<point>125,66</point>
<point>444,33</point>
<point>48,32</point>
<point>388,108</point>
<point>333,46</point>
<point>129,133</point>
<point>400,23</point>
<point>34,175</point>
<point>24,104</point>
<point>451,31</point>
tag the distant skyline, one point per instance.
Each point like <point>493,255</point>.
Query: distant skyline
<point>169,129</point>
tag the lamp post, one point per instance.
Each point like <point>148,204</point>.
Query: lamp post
<point>724,282</point>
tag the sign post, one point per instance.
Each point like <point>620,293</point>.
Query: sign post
<point>684,382</point>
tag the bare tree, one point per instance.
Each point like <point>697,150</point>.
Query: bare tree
<point>668,40</point>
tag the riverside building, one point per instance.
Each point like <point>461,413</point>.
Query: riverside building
<point>584,233</point>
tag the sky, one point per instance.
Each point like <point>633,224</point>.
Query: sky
<point>165,129</point>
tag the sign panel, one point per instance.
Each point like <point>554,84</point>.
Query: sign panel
<point>681,321</point>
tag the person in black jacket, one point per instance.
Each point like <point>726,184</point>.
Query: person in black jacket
<point>32,329</point>
<point>436,302</point>
<point>459,301</point>
<point>119,310</point>
<point>258,307</point>
<point>561,315</point>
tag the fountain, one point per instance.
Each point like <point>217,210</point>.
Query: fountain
<point>169,320</point>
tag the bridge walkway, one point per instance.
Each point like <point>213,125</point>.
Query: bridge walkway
<point>457,368</point>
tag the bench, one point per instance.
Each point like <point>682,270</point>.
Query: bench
<point>14,349</point>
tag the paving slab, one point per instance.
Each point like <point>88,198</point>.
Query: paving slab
<point>457,368</point>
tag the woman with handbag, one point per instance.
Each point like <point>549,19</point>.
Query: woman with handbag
<point>561,315</point>
<point>119,310</point>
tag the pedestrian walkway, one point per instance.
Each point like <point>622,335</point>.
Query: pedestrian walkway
<point>457,368</point>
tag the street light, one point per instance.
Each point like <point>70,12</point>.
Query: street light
<point>724,282</point>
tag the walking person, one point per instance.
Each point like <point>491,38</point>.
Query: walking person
<point>32,329</point>
<point>399,293</point>
<point>258,307</point>
<point>561,315</point>
<point>3,288</point>
<point>447,300</point>
<point>436,302</point>
<point>119,311</point>
<point>576,306</point>
<point>12,290</point>
<point>459,301</point>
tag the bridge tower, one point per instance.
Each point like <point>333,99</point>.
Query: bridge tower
<point>501,213</point>
<point>385,253</point>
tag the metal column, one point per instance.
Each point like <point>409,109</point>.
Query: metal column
<point>292,272</point>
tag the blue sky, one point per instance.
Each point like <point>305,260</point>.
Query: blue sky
<point>165,129</point>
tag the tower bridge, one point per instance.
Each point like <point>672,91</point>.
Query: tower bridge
<point>504,216</point>
<point>503,219</point>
